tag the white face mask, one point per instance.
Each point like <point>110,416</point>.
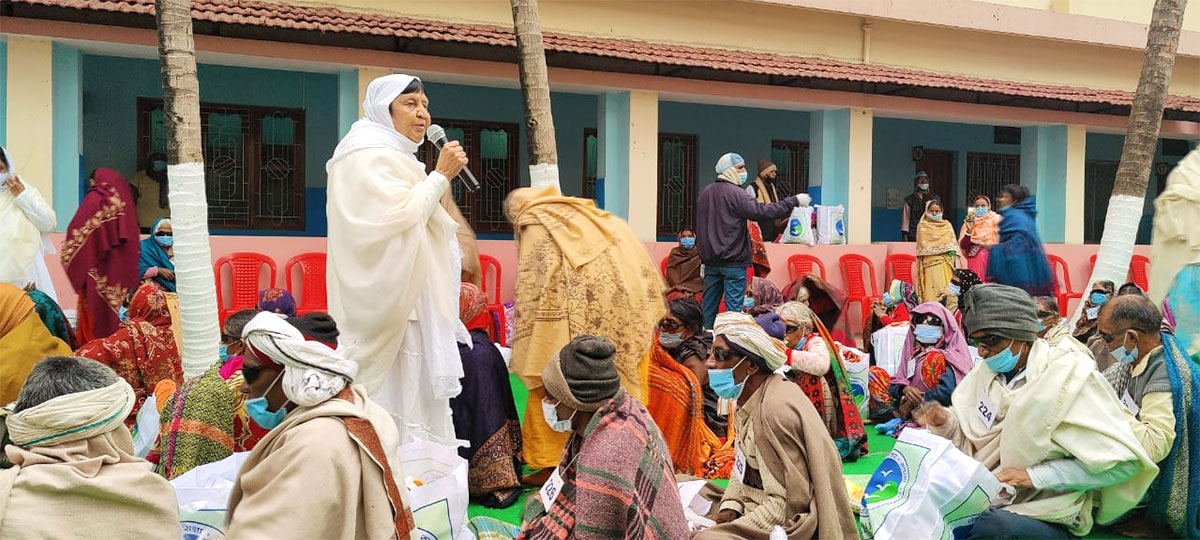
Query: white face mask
<point>550,412</point>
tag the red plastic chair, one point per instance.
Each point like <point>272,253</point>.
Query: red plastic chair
<point>856,270</point>
<point>899,266</point>
<point>491,290</point>
<point>662,267</point>
<point>312,277</point>
<point>1062,285</point>
<point>800,265</point>
<point>1139,271</point>
<point>245,267</point>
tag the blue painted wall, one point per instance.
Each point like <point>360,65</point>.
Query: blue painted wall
<point>110,114</point>
<point>720,129</point>
<point>1105,147</point>
<point>892,166</point>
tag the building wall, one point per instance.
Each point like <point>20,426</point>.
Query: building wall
<point>1106,147</point>
<point>893,166</point>
<point>720,129</point>
<point>798,31</point>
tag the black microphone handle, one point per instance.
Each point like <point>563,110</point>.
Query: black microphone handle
<point>468,180</point>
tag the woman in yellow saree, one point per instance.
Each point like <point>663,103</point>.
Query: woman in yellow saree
<point>936,253</point>
<point>580,271</point>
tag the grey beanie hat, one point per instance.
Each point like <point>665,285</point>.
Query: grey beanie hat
<point>1000,310</point>
<point>583,374</point>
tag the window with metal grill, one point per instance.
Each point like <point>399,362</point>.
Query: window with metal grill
<point>492,151</point>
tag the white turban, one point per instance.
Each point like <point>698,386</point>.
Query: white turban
<point>741,330</point>
<point>71,417</point>
<point>312,372</point>
<point>375,129</point>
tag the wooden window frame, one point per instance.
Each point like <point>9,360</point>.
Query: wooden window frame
<point>252,161</point>
<point>800,148</point>
<point>692,186</point>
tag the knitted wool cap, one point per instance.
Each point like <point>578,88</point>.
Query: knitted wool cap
<point>1000,310</point>
<point>583,375</point>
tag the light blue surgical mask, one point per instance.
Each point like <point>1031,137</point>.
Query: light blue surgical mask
<point>1003,361</point>
<point>688,242</point>
<point>981,211</point>
<point>224,351</point>
<point>722,383</point>
<point>748,302</point>
<point>158,165</point>
<point>121,314</point>
<point>935,217</point>
<point>927,334</point>
<point>1123,356</point>
<point>670,341</point>
<point>800,345</point>
<point>1098,298</point>
<point>165,241</point>
<point>257,409</point>
<point>887,299</point>
<point>1041,327</point>
<point>742,176</point>
<point>954,289</point>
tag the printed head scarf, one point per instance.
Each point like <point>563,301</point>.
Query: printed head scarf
<point>743,332</point>
<point>276,300</point>
<point>766,296</point>
<point>375,129</point>
<point>935,237</point>
<point>472,307</point>
<point>985,230</point>
<point>901,291</point>
<point>312,372</point>
<point>953,344</point>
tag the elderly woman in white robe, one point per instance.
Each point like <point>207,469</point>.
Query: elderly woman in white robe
<point>26,222</point>
<point>394,261</point>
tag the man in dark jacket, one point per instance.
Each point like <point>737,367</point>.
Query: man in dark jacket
<point>766,191</point>
<point>722,237</point>
<point>914,207</point>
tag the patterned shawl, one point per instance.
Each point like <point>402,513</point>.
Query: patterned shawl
<point>142,351</point>
<point>1175,495</point>
<point>472,307</point>
<point>52,316</point>
<point>196,425</point>
<point>953,346</point>
<point>758,250</point>
<point>277,300</point>
<point>823,299</point>
<point>847,429</point>
<point>100,253</point>
<point>617,482</point>
<point>677,405</point>
<point>935,237</point>
<point>985,231</point>
<point>766,296</point>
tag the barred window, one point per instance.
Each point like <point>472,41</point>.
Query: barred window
<point>676,183</point>
<point>591,157</point>
<point>253,162</point>
<point>791,159</point>
<point>987,173</point>
<point>492,151</point>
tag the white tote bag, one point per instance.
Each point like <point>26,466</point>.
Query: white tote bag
<point>926,488</point>
<point>799,229</point>
<point>439,504</point>
<point>887,343</point>
<point>858,366</point>
<point>831,227</point>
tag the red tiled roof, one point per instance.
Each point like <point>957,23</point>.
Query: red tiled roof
<point>334,20</point>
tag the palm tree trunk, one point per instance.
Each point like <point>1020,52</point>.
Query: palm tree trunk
<point>535,86</point>
<point>185,173</point>
<point>1141,139</point>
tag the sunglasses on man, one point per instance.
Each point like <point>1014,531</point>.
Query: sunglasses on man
<point>989,341</point>
<point>725,355</point>
<point>668,325</point>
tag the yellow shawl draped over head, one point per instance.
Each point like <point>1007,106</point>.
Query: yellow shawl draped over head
<point>581,270</point>
<point>24,341</point>
<point>935,237</point>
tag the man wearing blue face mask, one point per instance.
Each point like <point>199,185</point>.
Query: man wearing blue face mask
<point>1068,451</point>
<point>781,444</point>
<point>722,236</point>
<point>150,191</point>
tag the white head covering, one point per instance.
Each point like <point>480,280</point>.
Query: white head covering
<point>729,161</point>
<point>19,237</point>
<point>795,313</point>
<point>312,372</point>
<point>741,330</point>
<point>71,417</point>
<point>375,129</point>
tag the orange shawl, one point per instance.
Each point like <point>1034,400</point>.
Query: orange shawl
<point>985,230</point>
<point>676,404</point>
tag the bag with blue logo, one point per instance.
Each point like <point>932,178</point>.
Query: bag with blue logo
<point>831,225</point>
<point>799,228</point>
<point>926,488</point>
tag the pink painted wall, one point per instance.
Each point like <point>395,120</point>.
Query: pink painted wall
<point>282,248</point>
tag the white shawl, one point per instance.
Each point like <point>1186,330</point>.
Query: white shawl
<point>1065,409</point>
<point>24,234</point>
<point>391,250</point>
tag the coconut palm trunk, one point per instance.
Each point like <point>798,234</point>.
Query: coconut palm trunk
<point>185,174</point>
<point>535,86</point>
<point>1141,139</point>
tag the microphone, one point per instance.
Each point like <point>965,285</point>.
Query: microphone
<point>436,135</point>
